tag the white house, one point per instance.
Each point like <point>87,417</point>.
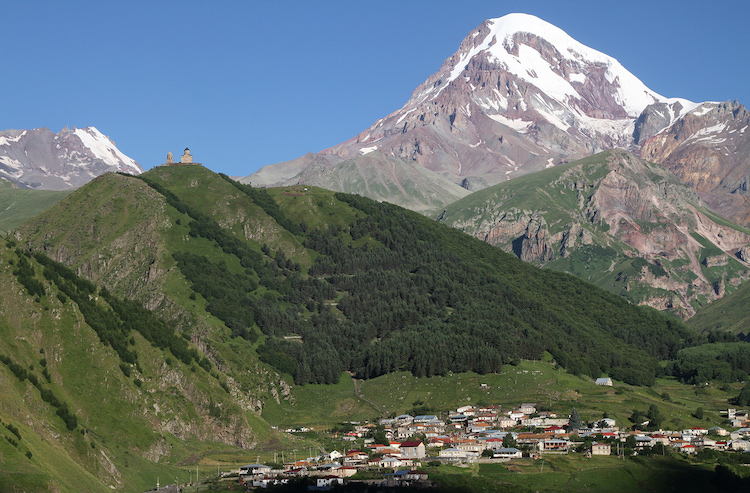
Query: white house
<point>329,481</point>
<point>508,453</point>
<point>604,381</point>
<point>453,453</point>
<point>254,470</point>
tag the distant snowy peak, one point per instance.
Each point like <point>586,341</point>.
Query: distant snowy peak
<point>40,159</point>
<point>580,79</point>
<point>515,77</point>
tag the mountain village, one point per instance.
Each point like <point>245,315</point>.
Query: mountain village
<point>485,434</point>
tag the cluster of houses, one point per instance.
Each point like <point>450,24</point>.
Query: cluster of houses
<point>484,433</point>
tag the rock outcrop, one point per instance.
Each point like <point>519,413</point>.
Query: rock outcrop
<point>709,149</point>
<point>615,220</point>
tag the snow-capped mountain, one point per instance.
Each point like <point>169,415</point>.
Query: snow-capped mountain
<point>40,159</point>
<point>518,96</point>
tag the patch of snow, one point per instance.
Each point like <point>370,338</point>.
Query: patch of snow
<point>742,130</point>
<point>708,133</point>
<point>104,149</point>
<point>367,150</point>
<point>404,116</point>
<point>549,163</point>
<point>4,141</point>
<point>577,78</point>
<point>13,164</point>
<point>517,125</point>
<point>702,109</point>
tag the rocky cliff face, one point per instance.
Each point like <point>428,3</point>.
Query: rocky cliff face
<point>617,221</point>
<point>43,160</point>
<point>709,149</point>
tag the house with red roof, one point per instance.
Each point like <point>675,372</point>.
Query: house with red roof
<point>412,449</point>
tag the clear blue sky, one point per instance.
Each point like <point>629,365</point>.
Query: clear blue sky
<point>250,83</point>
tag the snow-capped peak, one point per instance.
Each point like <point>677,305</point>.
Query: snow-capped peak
<point>560,76</point>
<point>103,148</point>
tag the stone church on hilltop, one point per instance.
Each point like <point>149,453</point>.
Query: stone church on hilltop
<point>186,158</point>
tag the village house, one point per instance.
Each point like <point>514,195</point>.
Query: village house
<point>466,410</point>
<point>555,445</point>
<point>412,450</point>
<point>254,470</point>
<point>266,481</point>
<point>508,453</point>
<point>472,446</point>
<point>599,448</point>
<point>454,454</point>
<point>554,430</point>
<point>327,482</point>
<point>718,430</point>
<point>695,431</point>
<point>604,381</point>
<point>527,408</point>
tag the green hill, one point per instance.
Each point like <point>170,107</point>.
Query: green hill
<point>731,313</point>
<point>368,288</point>
<point>100,392</point>
<point>18,204</point>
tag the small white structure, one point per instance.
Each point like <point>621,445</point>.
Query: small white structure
<point>604,381</point>
<point>508,453</point>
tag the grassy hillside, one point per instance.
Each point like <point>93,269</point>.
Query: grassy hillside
<point>18,205</point>
<point>100,396</point>
<point>731,313</point>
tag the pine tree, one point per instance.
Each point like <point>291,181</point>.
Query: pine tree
<point>575,420</point>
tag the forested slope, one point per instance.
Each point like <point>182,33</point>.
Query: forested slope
<point>327,282</point>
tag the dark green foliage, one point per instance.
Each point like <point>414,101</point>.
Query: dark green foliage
<point>205,364</point>
<point>225,292</point>
<point>262,198</point>
<point>414,295</point>
<point>24,271</point>
<point>575,422</point>
<point>70,419</point>
<point>653,416</point>
<point>13,430</point>
<point>743,399</point>
<point>115,321</point>
<point>273,352</point>
<point>721,361</point>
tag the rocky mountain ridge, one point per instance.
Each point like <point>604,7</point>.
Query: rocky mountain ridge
<point>709,149</point>
<point>40,159</point>
<point>615,220</point>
